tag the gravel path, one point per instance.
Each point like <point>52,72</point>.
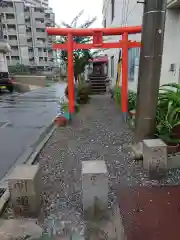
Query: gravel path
<point>96,132</point>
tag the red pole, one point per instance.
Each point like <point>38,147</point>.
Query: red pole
<point>70,74</point>
<point>124,96</point>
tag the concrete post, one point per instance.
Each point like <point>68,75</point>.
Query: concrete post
<point>155,157</point>
<point>94,184</point>
<point>24,190</point>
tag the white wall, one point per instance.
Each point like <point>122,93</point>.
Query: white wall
<point>129,13</point>
<point>171,52</point>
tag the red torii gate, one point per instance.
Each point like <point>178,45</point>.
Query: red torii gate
<point>97,43</point>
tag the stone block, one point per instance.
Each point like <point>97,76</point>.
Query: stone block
<point>20,229</point>
<point>24,190</point>
<point>94,183</point>
<point>155,157</point>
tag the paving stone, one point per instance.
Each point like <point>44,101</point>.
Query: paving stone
<point>15,229</point>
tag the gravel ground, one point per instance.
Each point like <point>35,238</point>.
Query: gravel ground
<point>96,132</point>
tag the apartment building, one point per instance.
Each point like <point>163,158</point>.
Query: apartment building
<point>118,13</point>
<point>43,3</point>
<point>24,29</point>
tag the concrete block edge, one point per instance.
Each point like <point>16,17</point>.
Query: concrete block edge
<point>118,224</point>
<point>30,157</point>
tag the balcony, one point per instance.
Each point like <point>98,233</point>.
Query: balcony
<point>15,53</point>
<point>11,30</point>
<point>42,54</point>
<point>8,10</point>
<point>39,43</point>
<point>10,18</point>
<point>173,3</point>
<point>13,42</point>
<point>14,62</point>
<point>29,35</point>
<point>31,55</point>
<point>39,15</point>
<point>40,24</point>
<point>30,44</point>
<point>9,21</point>
<point>43,63</point>
<point>41,34</point>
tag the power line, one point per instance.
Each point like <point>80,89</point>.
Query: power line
<point>107,3</point>
<point>122,12</point>
<point>127,12</point>
<point>131,11</point>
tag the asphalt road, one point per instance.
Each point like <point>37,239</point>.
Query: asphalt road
<point>22,120</point>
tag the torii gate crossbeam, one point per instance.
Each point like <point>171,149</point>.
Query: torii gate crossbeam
<point>97,43</point>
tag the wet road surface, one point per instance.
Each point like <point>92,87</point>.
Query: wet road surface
<point>22,120</point>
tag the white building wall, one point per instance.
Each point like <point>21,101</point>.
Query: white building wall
<point>171,52</point>
<point>129,13</point>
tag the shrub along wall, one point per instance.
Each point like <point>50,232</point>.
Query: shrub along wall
<point>168,111</point>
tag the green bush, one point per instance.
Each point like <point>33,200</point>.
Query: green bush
<point>131,98</point>
<point>117,95</point>
<point>84,91</point>
<point>168,112</point>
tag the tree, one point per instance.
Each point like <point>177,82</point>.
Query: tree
<point>81,56</point>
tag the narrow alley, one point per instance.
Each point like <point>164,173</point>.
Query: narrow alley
<point>98,132</point>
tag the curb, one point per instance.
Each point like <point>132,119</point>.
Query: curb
<point>28,157</point>
<point>119,228</point>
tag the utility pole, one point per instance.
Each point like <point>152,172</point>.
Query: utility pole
<point>150,68</point>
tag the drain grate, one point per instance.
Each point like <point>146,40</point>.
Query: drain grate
<point>2,191</point>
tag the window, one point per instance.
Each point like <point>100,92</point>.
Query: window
<point>30,50</point>
<point>112,9</point>
<point>39,20</point>
<point>15,57</point>
<point>36,9</point>
<point>10,16</point>
<point>14,48</point>
<point>133,61</point>
<point>112,66</point>
<point>12,37</point>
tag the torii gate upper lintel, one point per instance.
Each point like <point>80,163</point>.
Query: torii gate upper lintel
<point>97,34</point>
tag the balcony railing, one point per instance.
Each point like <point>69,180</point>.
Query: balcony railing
<point>13,42</point>
<point>8,10</point>
<point>14,52</point>
<point>39,24</point>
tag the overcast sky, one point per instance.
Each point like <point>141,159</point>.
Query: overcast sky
<point>66,10</point>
